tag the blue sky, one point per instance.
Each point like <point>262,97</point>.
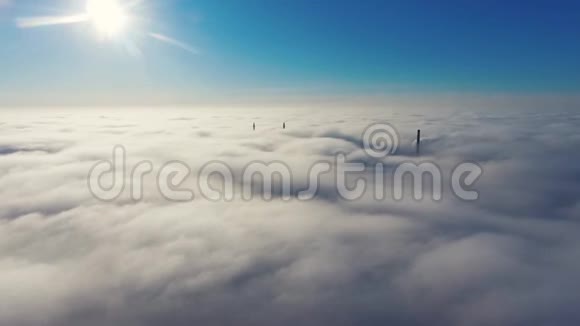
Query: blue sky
<point>298,46</point>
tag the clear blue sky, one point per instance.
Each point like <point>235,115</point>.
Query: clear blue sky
<point>301,46</point>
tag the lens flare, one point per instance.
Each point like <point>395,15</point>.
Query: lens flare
<point>108,16</point>
<point>111,18</point>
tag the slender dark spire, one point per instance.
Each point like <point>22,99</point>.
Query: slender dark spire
<point>418,142</point>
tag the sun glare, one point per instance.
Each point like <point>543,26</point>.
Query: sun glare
<point>108,16</point>
<point>111,19</point>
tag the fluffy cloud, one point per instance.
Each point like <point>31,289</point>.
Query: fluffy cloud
<point>510,258</point>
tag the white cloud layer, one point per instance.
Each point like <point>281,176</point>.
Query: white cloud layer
<point>510,258</point>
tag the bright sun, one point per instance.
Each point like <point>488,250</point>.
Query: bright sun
<point>111,19</point>
<point>108,17</point>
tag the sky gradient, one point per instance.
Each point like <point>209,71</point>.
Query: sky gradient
<point>292,49</point>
